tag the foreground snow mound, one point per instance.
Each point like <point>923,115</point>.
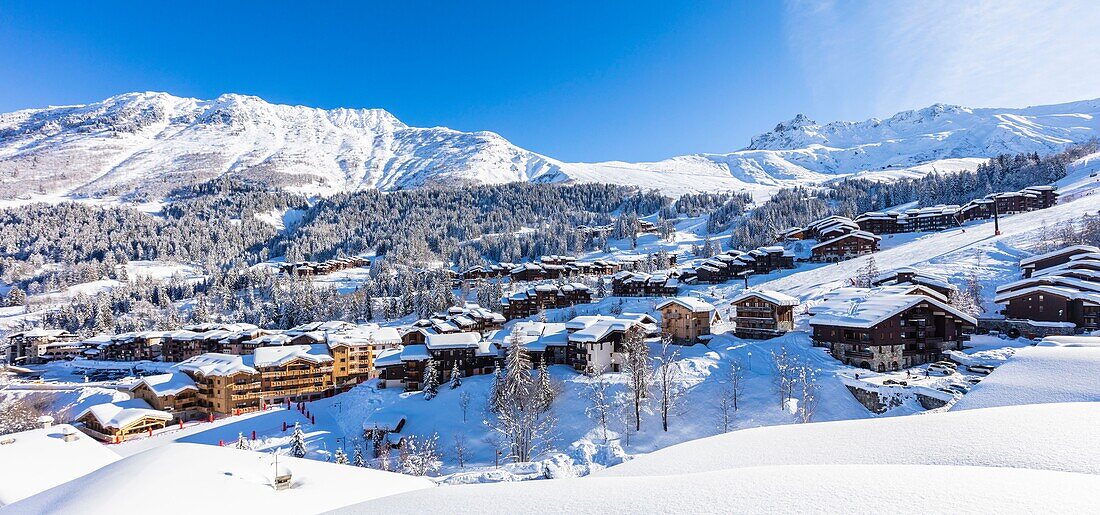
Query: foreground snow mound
<point>185,478</point>
<point>39,459</point>
<point>800,489</point>
<point>1045,436</point>
<point>1037,375</point>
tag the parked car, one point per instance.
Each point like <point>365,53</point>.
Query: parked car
<point>894,381</point>
<point>974,380</point>
<point>958,388</point>
<point>939,368</point>
<point>980,369</point>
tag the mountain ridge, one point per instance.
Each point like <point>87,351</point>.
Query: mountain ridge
<point>141,144</point>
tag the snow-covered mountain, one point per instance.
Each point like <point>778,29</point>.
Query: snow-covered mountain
<point>150,142</point>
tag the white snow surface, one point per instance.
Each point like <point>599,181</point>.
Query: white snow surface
<point>1044,374</point>
<point>156,140</point>
<point>221,479</point>
<point>793,489</point>
<point>40,459</point>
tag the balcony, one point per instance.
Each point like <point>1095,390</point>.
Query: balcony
<point>863,354</point>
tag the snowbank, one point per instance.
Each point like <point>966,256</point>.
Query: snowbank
<point>1050,437</point>
<point>794,489</point>
<point>40,459</point>
<point>1037,375</point>
<point>221,479</point>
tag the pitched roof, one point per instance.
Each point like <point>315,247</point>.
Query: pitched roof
<point>218,364</point>
<point>691,303</point>
<point>772,296</point>
<point>1073,249</point>
<point>863,235</point>
<point>118,415</point>
<point>453,340</point>
<point>278,356</point>
<point>867,307</point>
<point>171,383</point>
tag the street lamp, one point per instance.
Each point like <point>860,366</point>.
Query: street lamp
<point>750,361</point>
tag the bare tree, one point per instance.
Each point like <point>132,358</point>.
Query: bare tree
<point>22,414</point>
<point>725,410</point>
<point>600,406</point>
<point>785,375</point>
<point>638,369</point>
<point>464,403</point>
<point>736,380</point>
<point>807,382</point>
<point>460,448</point>
<point>669,390</point>
<point>420,456</point>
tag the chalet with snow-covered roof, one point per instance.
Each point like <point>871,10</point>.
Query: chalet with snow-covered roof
<point>686,319</point>
<point>544,296</point>
<point>353,351</point>
<point>888,328</point>
<point>638,284</point>
<point>33,346</point>
<point>466,352</point>
<point>1052,299</point>
<point>595,341</point>
<point>544,341</point>
<point>172,392</point>
<point>1029,266</point>
<point>312,268</point>
<point>762,314</point>
<point>848,246</point>
<point>910,275</point>
<point>116,421</point>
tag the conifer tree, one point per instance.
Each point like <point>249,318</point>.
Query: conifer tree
<point>298,442</point>
<point>431,380</point>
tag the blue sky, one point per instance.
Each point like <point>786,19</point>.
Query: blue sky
<point>579,81</point>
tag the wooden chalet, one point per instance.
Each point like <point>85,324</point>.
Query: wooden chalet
<point>173,392</point>
<point>888,328</point>
<point>686,319</point>
<point>34,346</point>
<point>763,314</point>
<point>844,247</point>
<point>1052,299</point>
<point>913,276</point>
<point>595,342</point>
<point>1029,266</point>
<point>116,421</point>
<point>638,284</point>
<point>544,296</point>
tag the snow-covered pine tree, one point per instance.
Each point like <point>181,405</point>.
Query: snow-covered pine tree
<point>456,376</point>
<point>544,390</point>
<point>357,457</point>
<point>340,457</point>
<point>431,380</point>
<point>242,442</point>
<point>298,442</point>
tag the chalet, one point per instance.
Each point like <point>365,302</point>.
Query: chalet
<point>467,351</point>
<point>832,225</point>
<point>876,222</point>
<point>544,342</point>
<point>234,384</point>
<point>134,346</point>
<point>470,317</point>
<point>910,275</point>
<point>844,247</point>
<point>686,319</point>
<point>116,421</point>
<point>544,296</point>
<point>596,341</point>
<point>33,346</point>
<point>173,392</point>
<point>1052,299</point>
<point>390,367</point>
<point>638,284</point>
<point>312,268</point>
<point>1033,264</point>
<point>353,351</point>
<point>763,314</point>
<point>735,264</point>
<point>887,328</point>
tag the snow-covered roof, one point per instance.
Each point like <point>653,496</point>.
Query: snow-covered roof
<point>1073,249</point>
<point>863,235</point>
<point>415,353</point>
<point>383,420</point>
<point>40,459</point>
<point>594,328</point>
<point>772,296</point>
<point>453,340</point>
<point>1062,291</point>
<point>691,303</point>
<point>218,364</point>
<point>118,415</point>
<point>279,356</point>
<point>365,334</point>
<point>388,357</point>
<point>537,336</point>
<point>867,307</point>
<point>171,383</point>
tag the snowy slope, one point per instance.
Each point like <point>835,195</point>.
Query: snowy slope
<point>1016,459</point>
<point>46,460</point>
<point>222,480</point>
<point>1042,436</point>
<point>1039,375</point>
<point>153,141</point>
<point>801,489</point>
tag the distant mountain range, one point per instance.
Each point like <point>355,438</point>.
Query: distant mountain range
<point>147,143</point>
